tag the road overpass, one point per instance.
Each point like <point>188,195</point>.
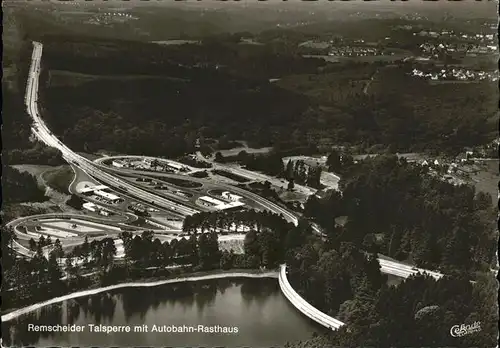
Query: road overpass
<point>103,173</point>
<point>303,306</point>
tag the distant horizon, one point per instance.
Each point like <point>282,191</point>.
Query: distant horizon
<point>468,7</point>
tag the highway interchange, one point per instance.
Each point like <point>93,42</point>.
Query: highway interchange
<point>120,180</point>
<point>108,175</point>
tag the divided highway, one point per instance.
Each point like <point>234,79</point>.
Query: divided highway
<point>103,173</point>
<point>99,172</point>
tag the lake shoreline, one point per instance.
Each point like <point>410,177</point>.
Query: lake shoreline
<point>192,277</point>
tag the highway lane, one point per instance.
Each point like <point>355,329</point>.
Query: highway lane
<point>137,157</point>
<point>401,270</point>
<point>44,134</point>
<point>288,215</point>
<point>388,267</point>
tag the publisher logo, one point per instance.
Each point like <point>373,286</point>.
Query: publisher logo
<point>462,330</point>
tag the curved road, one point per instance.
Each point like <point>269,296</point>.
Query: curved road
<point>104,174</point>
<point>101,172</point>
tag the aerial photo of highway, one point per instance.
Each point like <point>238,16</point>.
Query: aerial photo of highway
<point>321,216</point>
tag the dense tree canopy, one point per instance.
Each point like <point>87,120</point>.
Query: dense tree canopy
<point>235,100</point>
<point>20,187</point>
<point>405,213</point>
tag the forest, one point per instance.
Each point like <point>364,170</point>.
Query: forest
<point>392,208</point>
<point>20,147</point>
<point>395,208</point>
<point>20,187</point>
<point>419,312</point>
<point>148,103</point>
<point>164,116</point>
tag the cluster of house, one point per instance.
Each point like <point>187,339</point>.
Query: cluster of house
<point>433,49</point>
<point>457,74</point>
<point>454,35</point>
<point>110,17</point>
<point>349,51</point>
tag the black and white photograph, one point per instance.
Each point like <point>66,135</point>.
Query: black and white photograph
<point>250,174</point>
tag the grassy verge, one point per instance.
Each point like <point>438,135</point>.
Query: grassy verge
<point>59,179</point>
<point>145,277</point>
<point>230,175</point>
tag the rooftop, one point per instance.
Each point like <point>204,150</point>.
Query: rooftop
<point>211,200</point>
<point>106,195</point>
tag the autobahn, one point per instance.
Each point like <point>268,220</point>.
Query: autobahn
<point>102,172</point>
<point>45,135</point>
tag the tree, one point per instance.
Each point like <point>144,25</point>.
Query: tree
<point>483,201</point>
<point>54,272</point>
<point>251,244</point>
<point>227,260</point>
<point>312,207</point>
<point>58,250</point>
<point>314,177</point>
<point>85,250</point>
<point>296,236</point>
<point>107,251</point>
<point>126,237</point>
<point>218,157</point>
<point>8,252</point>
<point>192,250</point>
<point>347,161</point>
<point>333,162</point>
<point>289,170</point>
<point>242,156</point>
<point>75,201</point>
<point>32,244</point>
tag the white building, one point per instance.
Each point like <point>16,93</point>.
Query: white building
<point>89,189</point>
<point>108,196</point>
<point>230,196</point>
<point>89,206</point>
<point>210,202</point>
<point>175,166</point>
<point>219,205</point>
<point>118,164</point>
<point>230,205</point>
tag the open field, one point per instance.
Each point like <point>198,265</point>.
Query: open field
<point>59,78</point>
<point>230,175</point>
<point>486,179</point>
<point>60,178</point>
<point>182,183</point>
<point>237,150</point>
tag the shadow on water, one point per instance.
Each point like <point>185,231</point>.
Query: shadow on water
<point>97,308</point>
<point>128,305</point>
<point>258,291</point>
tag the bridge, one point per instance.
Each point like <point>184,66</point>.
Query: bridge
<point>303,306</point>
